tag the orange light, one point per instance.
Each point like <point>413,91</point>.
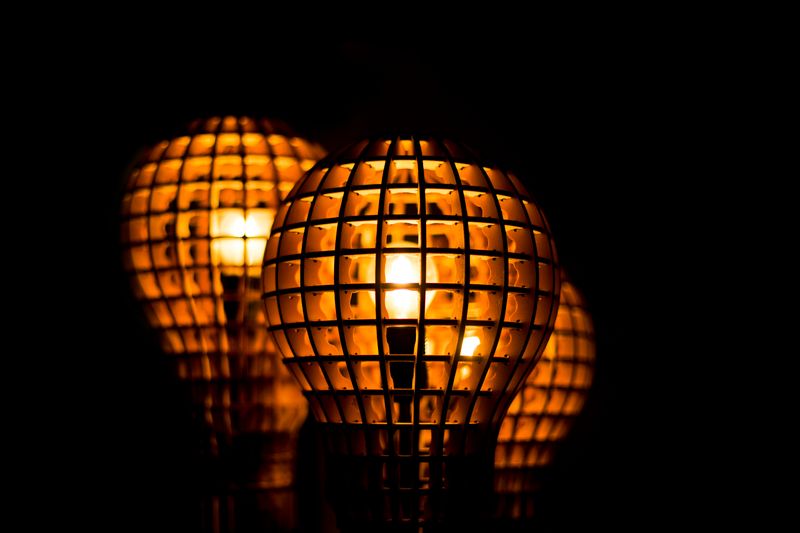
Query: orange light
<point>404,269</point>
<point>233,236</point>
<point>469,345</point>
<point>196,216</point>
<point>395,380</point>
<point>543,411</point>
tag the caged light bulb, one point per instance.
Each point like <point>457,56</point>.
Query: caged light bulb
<point>196,216</point>
<point>410,289</point>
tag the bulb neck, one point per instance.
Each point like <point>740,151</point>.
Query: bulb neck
<point>400,491</point>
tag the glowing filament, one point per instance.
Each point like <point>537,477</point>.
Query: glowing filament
<point>402,268</point>
<point>405,269</point>
<point>238,239</point>
<point>468,346</point>
<point>229,223</point>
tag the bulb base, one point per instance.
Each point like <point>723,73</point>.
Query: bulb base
<point>398,490</point>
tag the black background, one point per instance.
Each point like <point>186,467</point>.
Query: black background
<point>601,126</point>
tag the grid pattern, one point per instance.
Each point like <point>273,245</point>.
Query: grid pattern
<point>544,410</point>
<point>410,290</point>
<point>196,215</point>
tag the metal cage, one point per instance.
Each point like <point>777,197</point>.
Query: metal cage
<point>410,289</point>
<point>544,410</point>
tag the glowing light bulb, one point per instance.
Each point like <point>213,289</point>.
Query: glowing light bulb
<point>402,268</point>
<point>405,269</point>
<point>429,365</point>
<point>256,229</point>
<point>231,223</point>
<point>257,226</point>
<point>237,238</point>
<point>196,215</point>
<point>544,410</point>
<point>469,345</point>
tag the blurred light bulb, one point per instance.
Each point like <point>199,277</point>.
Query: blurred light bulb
<point>196,215</point>
<point>237,237</point>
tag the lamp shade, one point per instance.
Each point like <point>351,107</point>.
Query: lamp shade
<point>196,215</point>
<point>410,288</point>
<point>544,410</point>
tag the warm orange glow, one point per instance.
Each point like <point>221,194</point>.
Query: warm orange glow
<point>234,236</point>
<point>543,411</point>
<point>465,369</point>
<point>382,209</point>
<point>197,213</point>
<point>402,268</point>
<point>354,248</point>
<point>405,269</point>
<point>469,345</point>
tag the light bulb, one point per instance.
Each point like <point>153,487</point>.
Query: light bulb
<point>196,216</point>
<point>410,394</point>
<point>236,240</point>
<point>471,342</point>
<point>402,269</point>
<point>544,410</point>
<point>469,345</point>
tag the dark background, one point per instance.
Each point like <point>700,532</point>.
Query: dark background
<point>601,126</point>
